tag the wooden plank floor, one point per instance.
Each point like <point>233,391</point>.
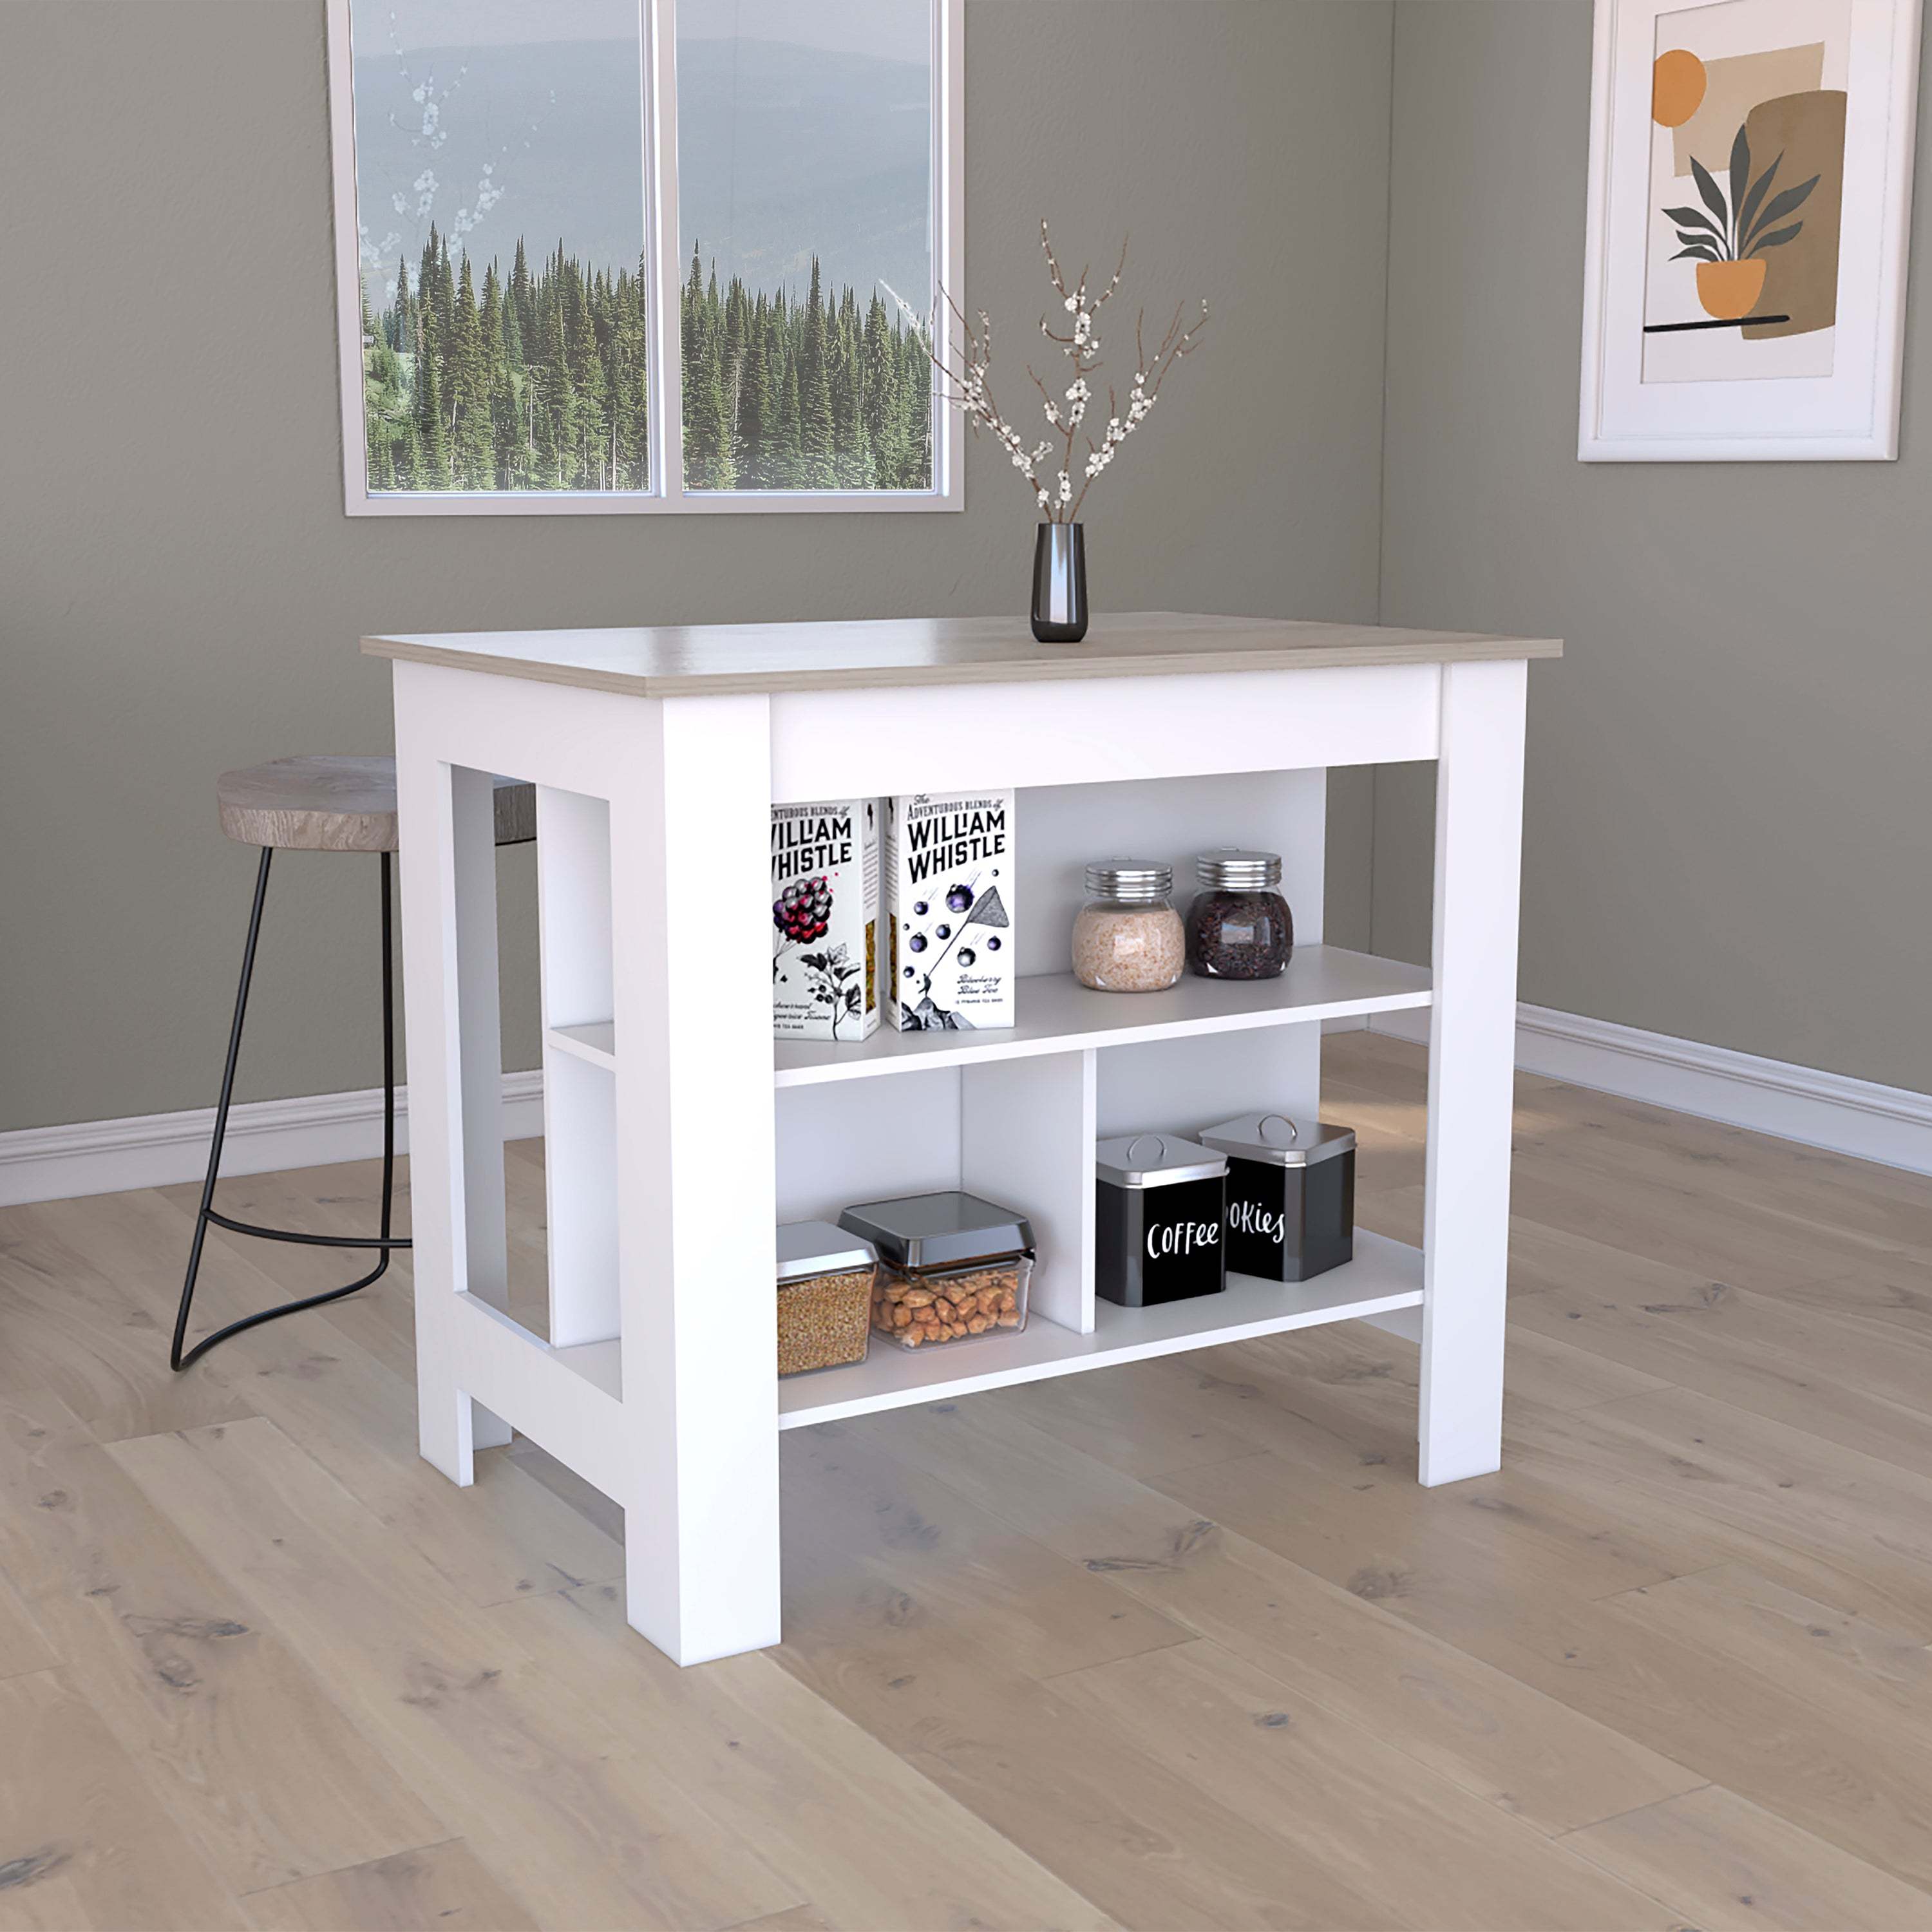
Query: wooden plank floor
<point>1176,1646</point>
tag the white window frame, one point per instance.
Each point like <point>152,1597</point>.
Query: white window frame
<point>667,494</point>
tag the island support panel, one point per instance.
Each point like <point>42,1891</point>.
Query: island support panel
<point>672,1151</point>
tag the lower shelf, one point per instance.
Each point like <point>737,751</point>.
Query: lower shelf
<point>1384,1276</point>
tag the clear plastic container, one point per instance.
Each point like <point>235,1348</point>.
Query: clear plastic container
<point>826,1278</point>
<point>951,1267</point>
<point>932,1307</point>
<point>1128,938</point>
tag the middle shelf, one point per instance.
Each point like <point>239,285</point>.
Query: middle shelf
<point>1057,1014</point>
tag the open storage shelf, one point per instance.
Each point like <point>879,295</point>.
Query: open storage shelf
<point>1058,1015</point>
<point>1384,1276</point>
<point>1012,1115</point>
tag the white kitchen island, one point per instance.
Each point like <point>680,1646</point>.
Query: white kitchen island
<point>678,1135</point>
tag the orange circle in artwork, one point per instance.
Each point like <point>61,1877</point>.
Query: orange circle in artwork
<point>1676,87</point>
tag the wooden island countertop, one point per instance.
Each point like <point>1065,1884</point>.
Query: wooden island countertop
<point>679,660</point>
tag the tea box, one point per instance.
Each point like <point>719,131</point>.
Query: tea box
<point>950,882</point>
<point>825,917</point>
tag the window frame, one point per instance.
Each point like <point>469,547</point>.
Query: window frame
<point>657,80</point>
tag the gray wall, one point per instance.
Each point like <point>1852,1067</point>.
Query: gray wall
<point>180,591</point>
<point>1730,812</point>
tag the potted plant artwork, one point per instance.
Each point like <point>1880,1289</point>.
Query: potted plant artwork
<point>1727,237</point>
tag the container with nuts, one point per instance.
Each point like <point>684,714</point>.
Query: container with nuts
<point>826,1282</point>
<point>951,1267</point>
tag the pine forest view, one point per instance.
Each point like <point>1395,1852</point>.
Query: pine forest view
<point>505,300</point>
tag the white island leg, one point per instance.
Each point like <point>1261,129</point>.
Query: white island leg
<point>690,849</point>
<point>1472,1066</point>
<point>447,836</point>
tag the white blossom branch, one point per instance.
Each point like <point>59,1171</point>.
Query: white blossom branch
<point>964,357</point>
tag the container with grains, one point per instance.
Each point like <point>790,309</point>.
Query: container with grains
<point>1128,938</point>
<point>951,1267</point>
<point>826,1280</point>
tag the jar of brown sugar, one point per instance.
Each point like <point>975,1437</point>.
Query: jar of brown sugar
<point>1127,938</point>
<point>1239,927</point>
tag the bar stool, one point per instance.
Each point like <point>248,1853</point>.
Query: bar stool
<point>317,804</point>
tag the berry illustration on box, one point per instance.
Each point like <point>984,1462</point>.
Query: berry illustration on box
<point>949,877</point>
<point>825,877</point>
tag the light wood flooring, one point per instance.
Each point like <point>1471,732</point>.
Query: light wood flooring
<point>1176,1646</point>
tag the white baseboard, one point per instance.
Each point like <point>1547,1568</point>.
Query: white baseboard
<point>1891,1125</point>
<point>264,1136</point>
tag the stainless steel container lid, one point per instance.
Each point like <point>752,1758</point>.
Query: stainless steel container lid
<point>1276,1139</point>
<point>1227,869</point>
<point>1136,881</point>
<point>936,1230</point>
<point>820,1247</point>
<point>1156,1160</point>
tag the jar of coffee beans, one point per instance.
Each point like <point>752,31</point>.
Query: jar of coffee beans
<point>1239,926</point>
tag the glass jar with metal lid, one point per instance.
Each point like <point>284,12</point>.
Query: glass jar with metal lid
<point>952,1267</point>
<point>1239,926</point>
<point>826,1278</point>
<point>1127,938</point>
<point>1157,1220</point>
<point>1290,1194</point>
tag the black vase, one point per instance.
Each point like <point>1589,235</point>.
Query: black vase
<point>1060,584</point>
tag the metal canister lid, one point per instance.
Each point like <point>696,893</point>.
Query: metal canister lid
<point>1135,881</point>
<point>1228,869</point>
<point>820,1247</point>
<point>1156,1160</point>
<point>1275,1138</point>
<point>936,1230</point>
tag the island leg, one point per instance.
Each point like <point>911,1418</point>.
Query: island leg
<point>448,837</point>
<point>691,842</point>
<point>1472,1068</point>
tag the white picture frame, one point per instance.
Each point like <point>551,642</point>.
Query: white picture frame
<point>667,494</point>
<point>1834,400</point>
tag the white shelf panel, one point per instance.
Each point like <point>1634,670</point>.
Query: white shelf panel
<point>1384,1276</point>
<point>1057,1014</point>
<point>596,1042</point>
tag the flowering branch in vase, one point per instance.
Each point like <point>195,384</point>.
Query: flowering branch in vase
<point>1058,469</point>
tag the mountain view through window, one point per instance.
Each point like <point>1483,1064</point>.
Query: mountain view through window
<point>500,217</point>
<point>505,286</point>
<point>805,207</point>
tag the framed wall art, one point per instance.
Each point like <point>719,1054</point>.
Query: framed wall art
<point>1750,193</point>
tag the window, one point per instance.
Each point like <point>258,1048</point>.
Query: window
<point>644,255</point>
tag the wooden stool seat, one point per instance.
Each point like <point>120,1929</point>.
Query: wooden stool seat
<point>340,804</point>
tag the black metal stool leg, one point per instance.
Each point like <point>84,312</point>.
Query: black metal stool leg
<point>386,1242</point>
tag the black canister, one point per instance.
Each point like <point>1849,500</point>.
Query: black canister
<point>1291,1195</point>
<point>1158,1203</point>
